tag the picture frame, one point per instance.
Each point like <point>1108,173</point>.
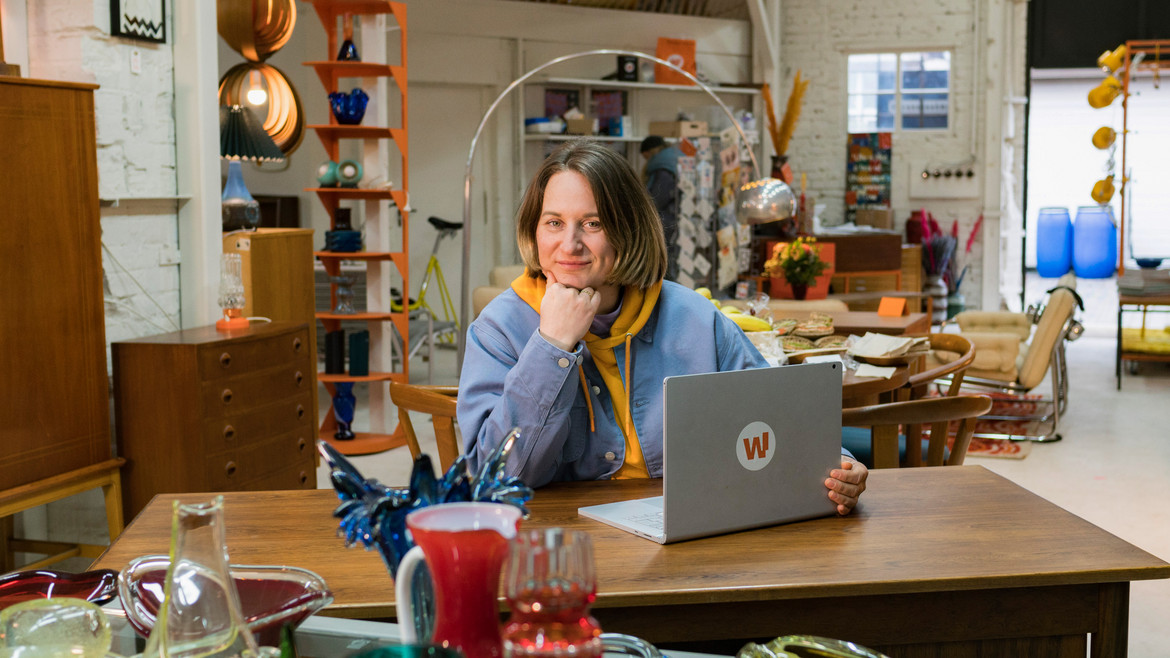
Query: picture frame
<point>141,20</point>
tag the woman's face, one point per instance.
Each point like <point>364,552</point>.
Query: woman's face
<point>570,242</point>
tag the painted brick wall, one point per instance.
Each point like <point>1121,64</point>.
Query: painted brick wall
<point>134,113</point>
<point>817,38</point>
<point>70,40</point>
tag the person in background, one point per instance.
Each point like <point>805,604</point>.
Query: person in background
<point>661,178</point>
<point>575,351</point>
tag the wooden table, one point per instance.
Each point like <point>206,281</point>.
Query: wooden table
<point>858,391</point>
<point>957,557</point>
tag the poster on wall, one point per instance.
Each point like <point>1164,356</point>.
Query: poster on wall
<point>144,20</point>
<point>867,177</point>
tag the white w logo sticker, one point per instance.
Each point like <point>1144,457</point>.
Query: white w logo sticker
<point>755,446</point>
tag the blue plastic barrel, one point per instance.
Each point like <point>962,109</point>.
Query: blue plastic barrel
<point>1054,242</point>
<point>1094,243</point>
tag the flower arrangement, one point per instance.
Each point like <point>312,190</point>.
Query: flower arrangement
<point>799,262</point>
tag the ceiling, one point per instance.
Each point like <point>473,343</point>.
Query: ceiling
<point>734,9</point>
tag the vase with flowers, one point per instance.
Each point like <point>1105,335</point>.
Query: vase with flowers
<point>799,262</point>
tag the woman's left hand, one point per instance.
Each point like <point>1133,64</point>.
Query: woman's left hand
<point>845,484</point>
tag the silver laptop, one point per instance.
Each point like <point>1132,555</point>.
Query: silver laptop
<point>742,449</point>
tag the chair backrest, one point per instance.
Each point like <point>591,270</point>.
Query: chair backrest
<point>1049,329</point>
<point>951,343</point>
<point>439,401</point>
<point>938,413</point>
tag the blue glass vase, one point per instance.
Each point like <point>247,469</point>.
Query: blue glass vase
<point>344,404</point>
<point>349,108</point>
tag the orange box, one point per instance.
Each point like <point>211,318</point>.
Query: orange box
<point>779,288</point>
<point>681,53</point>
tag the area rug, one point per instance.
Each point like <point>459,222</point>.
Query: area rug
<point>1006,405</point>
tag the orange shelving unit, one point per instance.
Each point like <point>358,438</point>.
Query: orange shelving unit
<point>378,222</point>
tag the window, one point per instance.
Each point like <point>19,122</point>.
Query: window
<point>908,90</point>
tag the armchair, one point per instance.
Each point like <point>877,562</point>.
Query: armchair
<point>1012,358</point>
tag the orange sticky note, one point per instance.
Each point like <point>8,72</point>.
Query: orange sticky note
<point>892,307</point>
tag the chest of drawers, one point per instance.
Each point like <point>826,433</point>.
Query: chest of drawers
<point>203,410</point>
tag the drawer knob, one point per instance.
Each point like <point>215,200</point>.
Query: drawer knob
<point>300,411</point>
<point>229,432</point>
<point>225,359</point>
<point>297,344</point>
<point>229,469</point>
<point>299,377</point>
<point>226,395</point>
<point>302,444</point>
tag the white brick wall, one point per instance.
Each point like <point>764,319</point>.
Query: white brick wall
<point>818,35</point>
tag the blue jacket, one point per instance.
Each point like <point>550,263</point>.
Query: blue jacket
<point>513,377</point>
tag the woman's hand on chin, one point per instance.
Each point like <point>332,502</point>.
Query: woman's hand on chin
<point>566,313</point>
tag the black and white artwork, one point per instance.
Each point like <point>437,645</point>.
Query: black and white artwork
<point>144,20</point>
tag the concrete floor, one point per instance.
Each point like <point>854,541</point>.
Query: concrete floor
<point>1111,468</point>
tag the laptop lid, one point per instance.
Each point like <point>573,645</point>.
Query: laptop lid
<point>749,448</point>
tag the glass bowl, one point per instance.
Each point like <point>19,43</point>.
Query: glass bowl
<point>349,108</point>
<point>98,586</point>
<point>270,596</point>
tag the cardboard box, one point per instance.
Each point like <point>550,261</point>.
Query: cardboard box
<point>875,217</point>
<point>579,126</point>
<point>678,128</point>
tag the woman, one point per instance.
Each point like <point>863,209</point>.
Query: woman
<point>575,352</point>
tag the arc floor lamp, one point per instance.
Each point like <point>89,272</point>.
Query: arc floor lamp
<point>758,202</point>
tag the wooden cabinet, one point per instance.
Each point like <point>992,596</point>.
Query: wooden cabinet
<point>386,255</point>
<point>205,410</point>
<point>52,320</point>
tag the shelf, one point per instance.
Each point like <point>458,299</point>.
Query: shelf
<point>364,443</point>
<point>357,255</point>
<point>339,131</point>
<point>333,378</point>
<point>352,69</point>
<point>367,316</point>
<point>620,84</point>
<point>560,137</point>
<point>353,192</point>
<point>355,6</point>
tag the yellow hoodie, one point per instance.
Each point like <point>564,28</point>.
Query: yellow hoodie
<point>637,305</point>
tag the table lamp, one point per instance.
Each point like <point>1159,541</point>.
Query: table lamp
<point>242,137</point>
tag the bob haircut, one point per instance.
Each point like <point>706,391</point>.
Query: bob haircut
<point>627,214</point>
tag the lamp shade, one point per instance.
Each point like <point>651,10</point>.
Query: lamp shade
<point>764,200</point>
<point>242,137</point>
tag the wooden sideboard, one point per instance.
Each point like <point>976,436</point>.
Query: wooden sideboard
<point>205,410</point>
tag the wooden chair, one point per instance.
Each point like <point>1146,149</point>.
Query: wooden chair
<point>439,401</point>
<point>886,441</point>
<point>106,475</point>
<point>937,368</point>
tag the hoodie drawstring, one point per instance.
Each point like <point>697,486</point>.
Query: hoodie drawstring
<point>626,383</point>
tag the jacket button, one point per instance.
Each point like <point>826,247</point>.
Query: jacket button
<point>563,362</point>
<point>597,390</point>
<point>609,456</point>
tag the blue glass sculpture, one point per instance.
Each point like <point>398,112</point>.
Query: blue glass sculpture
<point>344,404</point>
<point>374,515</point>
<point>349,108</point>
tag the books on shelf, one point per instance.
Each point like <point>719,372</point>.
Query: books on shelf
<point>1144,282</point>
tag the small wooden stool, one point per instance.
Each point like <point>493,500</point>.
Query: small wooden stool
<point>106,475</point>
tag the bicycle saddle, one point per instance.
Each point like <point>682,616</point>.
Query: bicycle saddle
<point>444,225</point>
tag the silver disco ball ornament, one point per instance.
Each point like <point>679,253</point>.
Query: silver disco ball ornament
<point>764,200</point>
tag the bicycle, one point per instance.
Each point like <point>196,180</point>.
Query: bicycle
<point>421,312</point>
<point>446,230</point>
